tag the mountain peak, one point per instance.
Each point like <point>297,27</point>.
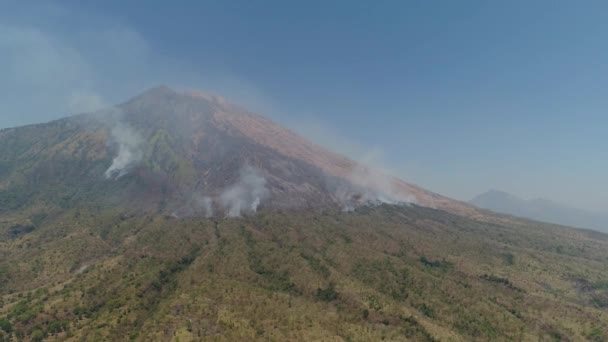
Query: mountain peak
<point>187,151</point>
<point>197,94</point>
<point>163,92</point>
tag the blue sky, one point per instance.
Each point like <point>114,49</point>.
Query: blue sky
<point>457,96</point>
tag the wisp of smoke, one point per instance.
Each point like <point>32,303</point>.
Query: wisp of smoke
<point>369,186</point>
<point>130,147</point>
<point>204,204</point>
<point>244,196</point>
<point>84,102</point>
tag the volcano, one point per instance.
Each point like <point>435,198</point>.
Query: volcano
<point>177,216</point>
<point>192,153</point>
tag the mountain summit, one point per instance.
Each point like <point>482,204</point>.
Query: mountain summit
<point>192,153</point>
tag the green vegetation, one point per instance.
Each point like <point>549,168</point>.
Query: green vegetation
<point>499,280</point>
<point>509,259</point>
<point>79,262</point>
<point>404,273</point>
<point>6,326</point>
<point>475,326</point>
<point>328,294</point>
<point>442,265</point>
<point>426,310</point>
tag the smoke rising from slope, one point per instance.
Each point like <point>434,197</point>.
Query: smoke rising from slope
<point>129,150</point>
<point>369,185</point>
<point>204,204</point>
<point>128,141</point>
<point>244,196</point>
<point>81,101</point>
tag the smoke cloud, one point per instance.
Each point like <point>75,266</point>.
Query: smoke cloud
<point>129,143</point>
<point>204,205</point>
<point>245,196</point>
<point>84,102</point>
<point>376,187</point>
<point>370,185</point>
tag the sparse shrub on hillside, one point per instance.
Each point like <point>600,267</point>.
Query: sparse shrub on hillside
<point>600,285</point>
<point>500,280</point>
<point>385,277</point>
<point>38,218</point>
<point>495,279</point>
<point>14,198</point>
<point>328,294</point>
<point>79,311</point>
<point>373,302</point>
<point>56,327</point>
<point>4,274</point>
<point>597,335</point>
<point>426,310</point>
<point>365,314</point>
<point>6,326</point>
<point>475,326</point>
<point>19,230</point>
<point>37,335</point>
<point>508,258</point>
<point>316,265</point>
<point>555,335</point>
<point>413,330</point>
<point>24,313</point>
<point>442,265</point>
<point>600,300</point>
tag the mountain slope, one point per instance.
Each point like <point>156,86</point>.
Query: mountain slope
<point>389,272</point>
<point>167,150</point>
<point>541,210</point>
<point>179,217</point>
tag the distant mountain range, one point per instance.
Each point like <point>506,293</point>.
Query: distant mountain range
<point>540,209</point>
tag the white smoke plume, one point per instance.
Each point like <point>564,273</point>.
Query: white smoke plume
<point>203,204</point>
<point>370,185</point>
<point>244,196</point>
<point>128,141</point>
<point>84,102</point>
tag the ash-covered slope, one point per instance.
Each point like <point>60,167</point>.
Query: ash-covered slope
<point>188,153</point>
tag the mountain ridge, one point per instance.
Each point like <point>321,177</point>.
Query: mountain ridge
<point>540,209</point>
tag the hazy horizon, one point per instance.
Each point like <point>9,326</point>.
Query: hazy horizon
<point>459,99</point>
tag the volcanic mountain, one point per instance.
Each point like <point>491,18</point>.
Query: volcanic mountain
<point>177,216</point>
<point>190,153</point>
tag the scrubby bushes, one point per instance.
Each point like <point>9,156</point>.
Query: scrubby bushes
<point>328,294</point>
<point>384,276</point>
<point>6,326</point>
<point>500,280</point>
<point>426,310</point>
<point>442,265</point>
